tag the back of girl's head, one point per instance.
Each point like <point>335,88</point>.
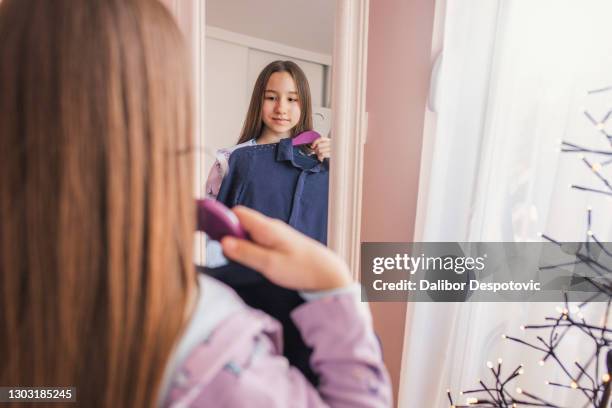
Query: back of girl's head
<point>95,196</point>
<point>253,124</point>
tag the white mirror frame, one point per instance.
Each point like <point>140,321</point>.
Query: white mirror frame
<point>191,18</point>
<point>349,127</point>
<point>349,63</point>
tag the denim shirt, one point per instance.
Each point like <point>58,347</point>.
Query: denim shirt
<point>281,182</point>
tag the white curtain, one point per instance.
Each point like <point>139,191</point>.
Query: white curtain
<point>512,84</point>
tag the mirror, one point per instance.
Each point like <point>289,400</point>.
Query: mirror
<point>242,38</point>
<point>348,87</point>
<point>268,173</point>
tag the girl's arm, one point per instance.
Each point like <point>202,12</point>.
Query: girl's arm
<point>338,327</point>
<point>218,171</point>
<point>215,177</point>
<point>241,364</point>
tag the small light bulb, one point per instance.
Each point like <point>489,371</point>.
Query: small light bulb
<point>541,362</point>
<point>606,377</point>
<point>521,371</point>
<point>590,233</point>
<point>574,385</point>
<point>489,364</point>
<point>522,327</point>
<point>499,360</point>
<point>519,391</point>
<point>503,336</point>
<point>471,401</point>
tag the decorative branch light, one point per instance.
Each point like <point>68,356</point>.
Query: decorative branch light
<point>592,379</point>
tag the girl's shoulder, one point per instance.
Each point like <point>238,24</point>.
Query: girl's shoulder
<point>219,340</point>
<point>223,156</point>
<point>227,151</point>
<point>221,166</point>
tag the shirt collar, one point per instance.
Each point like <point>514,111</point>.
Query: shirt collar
<point>286,152</point>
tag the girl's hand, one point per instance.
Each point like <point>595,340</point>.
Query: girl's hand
<point>285,256</point>
<point>322,147</point>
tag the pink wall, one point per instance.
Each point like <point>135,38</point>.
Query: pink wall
<point>399,47</point>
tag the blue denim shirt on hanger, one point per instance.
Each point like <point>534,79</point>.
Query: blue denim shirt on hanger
<point>279,181</point>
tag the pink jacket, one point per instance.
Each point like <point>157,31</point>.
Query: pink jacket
<point>230,356</point>
<point>219,168</point>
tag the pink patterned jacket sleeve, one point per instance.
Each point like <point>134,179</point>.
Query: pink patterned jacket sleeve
<point>241,364</point>
<point>215,177</point>
<point>219,168</point>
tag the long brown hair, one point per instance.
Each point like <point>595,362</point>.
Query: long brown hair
<point>95,196</point>
<point>253,124</point>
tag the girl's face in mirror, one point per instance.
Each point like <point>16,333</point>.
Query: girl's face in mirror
<point>281,106</point>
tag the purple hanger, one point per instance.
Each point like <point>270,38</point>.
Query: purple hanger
<point>306,137</point>
<point>217,221</point>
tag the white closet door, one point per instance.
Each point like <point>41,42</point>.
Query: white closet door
<point>314,72</point>
<point>227,95</point>
<point>321,120</point>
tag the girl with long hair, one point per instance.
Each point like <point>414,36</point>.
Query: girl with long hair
<point>97,286</point>
<point>280,107</point>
